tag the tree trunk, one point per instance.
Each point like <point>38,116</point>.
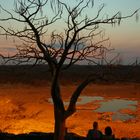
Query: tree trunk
<point>60,129</point>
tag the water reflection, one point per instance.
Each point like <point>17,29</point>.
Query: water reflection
<point>122,117</point>
<point>114,106</point>
<point>88,99</point>
<point>83,100</point>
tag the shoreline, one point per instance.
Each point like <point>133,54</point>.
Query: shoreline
<point>27,105</point>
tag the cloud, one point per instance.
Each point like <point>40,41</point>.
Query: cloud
<point>7,49</point>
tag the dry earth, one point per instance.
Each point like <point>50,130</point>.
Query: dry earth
<point>25,108</point>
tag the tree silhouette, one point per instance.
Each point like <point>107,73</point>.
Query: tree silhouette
<point>44,41</point>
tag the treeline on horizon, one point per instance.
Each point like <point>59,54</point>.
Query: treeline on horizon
<point>40,74</point>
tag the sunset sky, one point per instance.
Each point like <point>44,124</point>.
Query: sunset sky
<point>124,38</point>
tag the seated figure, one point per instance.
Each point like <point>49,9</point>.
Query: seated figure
<point>94,134</point>
<point>108,134</point>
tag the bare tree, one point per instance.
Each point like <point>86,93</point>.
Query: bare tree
<point>81,39</point>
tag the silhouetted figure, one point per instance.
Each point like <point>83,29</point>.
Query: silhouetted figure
<point>108,134</point>
<point>94,134</point>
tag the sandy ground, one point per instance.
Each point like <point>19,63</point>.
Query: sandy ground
<point>25,108</point>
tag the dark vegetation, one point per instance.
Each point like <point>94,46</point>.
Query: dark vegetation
<point>36,136</point>
<point>32,75</point>
<point>46,136</point>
